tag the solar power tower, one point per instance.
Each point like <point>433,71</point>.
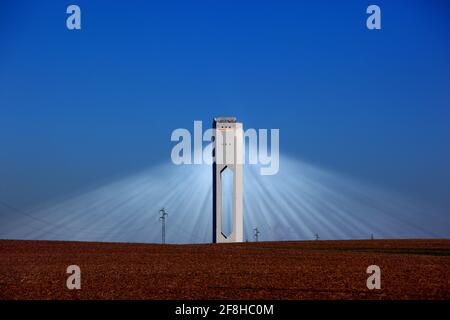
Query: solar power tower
<point>228,160</point>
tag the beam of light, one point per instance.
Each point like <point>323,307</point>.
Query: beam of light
<point>298,202</point>
<point>302,200</point>
<point>127,210</point>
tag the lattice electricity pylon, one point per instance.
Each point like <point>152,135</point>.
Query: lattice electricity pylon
<point>256,234</point>
<point>162,219</point>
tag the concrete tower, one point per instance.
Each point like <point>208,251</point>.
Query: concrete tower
<point>228,160</point>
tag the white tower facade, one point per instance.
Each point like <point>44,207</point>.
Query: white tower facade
<point>228,159</point>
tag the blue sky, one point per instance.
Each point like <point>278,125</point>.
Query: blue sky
<point>81,107</point>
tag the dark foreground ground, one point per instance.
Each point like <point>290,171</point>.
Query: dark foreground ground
<point>411,269</point>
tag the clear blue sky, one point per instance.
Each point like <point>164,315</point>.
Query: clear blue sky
<point>80,107</point>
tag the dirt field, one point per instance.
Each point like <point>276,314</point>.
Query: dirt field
<point>410,269</point>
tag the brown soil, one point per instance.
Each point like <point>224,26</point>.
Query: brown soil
<point>410,269</point>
